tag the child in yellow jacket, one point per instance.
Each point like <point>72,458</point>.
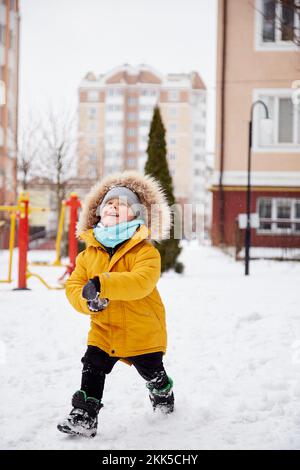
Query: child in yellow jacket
<point>114,282</point>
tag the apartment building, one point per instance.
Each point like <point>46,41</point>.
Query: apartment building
<point>115,112</point>
<point>258,58</point>
<point>9,63</point>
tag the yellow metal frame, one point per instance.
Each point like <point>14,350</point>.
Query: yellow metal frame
<point>13,216</point>
<point>20,207</point>
<point>30,274</point>
<point>57,261</point>
<point>60,230</point>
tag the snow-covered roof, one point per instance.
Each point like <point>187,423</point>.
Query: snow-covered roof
<point>142,73</point>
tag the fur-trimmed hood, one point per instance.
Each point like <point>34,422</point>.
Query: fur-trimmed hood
<point>150,193</point>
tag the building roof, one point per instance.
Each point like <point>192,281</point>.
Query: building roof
<point>127,74</point>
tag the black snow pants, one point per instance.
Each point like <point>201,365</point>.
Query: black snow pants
<point>97,364</point>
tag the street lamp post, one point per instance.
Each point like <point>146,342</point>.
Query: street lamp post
<point>248,227</point>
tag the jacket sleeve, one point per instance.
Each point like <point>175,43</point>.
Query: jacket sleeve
<point>75,284</point>
<point>134,284</point>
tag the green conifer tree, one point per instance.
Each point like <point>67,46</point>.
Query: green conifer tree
<point>157,166</point>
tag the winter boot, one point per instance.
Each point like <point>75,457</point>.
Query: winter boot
<point>83,419</point>
<point>162,399</point>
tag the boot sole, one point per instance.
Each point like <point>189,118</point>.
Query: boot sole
<point>163,411</point>
<point>68,430</point>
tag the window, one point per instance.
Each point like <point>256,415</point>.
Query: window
<point>268,24</point>
<point>11,40</point>
<point>92,150</point>
<point>173,127</point>
<point>92,171</point>
<point>279,215</point>
<point>131,131</point>
<point>92,157</point>
<point>285,118</point>
<point>92,112</point>
<point>198,157</point>
<point>111,138</point>
<point>130,148</point>
<point>265,213</point>
<point>146,107</point>
<point>284,209</point>
<point>2,33</point>
<point>173,111</point>
<point>131,162</point>
<point>172,141</point>
<point>172,156</point>
<point>173,95</point>
<point>112,154</point>
<point>288,15</point>
<point>277,22</point>
<point>92,95</point>
<point>199,143</point>
<point>297,216</point>
<point>132,101</point>
<point>114,107</point>
<point>197,172</point>
<point>92,127</point>
<point>148,92</point>
<point>114,92</point>
<point>113,123</point>
<point>199,128</point>
<point>132,117</point>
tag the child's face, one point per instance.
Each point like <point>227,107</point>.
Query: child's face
<point>116,211</point>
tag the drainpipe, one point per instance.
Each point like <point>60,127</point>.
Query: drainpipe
<point>222,137</point>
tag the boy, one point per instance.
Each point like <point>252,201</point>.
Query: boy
<point>114,281</point>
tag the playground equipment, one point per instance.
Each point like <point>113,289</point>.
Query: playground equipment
<point>57,261</point>
<point>74,204</point>
<point>12,210</point>
<point>21,211</point>
<point>17,211</point>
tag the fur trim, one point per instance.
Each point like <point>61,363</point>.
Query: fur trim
<point>148,189</point>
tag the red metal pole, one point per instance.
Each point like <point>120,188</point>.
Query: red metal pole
<point>74,205</point>
<point>23,240</point>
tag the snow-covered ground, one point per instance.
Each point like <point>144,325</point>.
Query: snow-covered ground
<point>234,355</point>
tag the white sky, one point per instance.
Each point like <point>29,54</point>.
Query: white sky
<point>61,40</point>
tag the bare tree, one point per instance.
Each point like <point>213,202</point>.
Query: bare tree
<point>28,151</point>
<point>57,158</point>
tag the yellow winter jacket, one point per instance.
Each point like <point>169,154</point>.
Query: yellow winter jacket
<point>134,321</point>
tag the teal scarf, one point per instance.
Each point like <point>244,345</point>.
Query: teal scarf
<point>115,234</point>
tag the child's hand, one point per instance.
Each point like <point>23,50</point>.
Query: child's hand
<point>91,289</point>
<point>98,304</point>
<point>91,292</point>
